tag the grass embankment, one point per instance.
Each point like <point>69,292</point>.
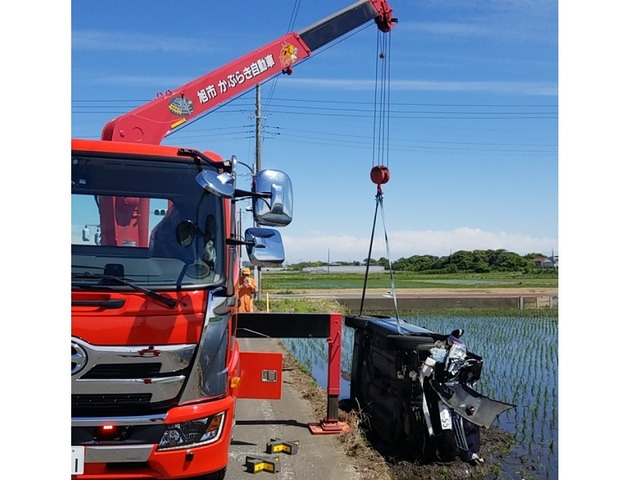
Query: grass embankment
<point>323,305</point>
<point>301,305</point>
<point>291,281</point>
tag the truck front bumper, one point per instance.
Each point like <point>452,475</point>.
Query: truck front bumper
<point>130,456</point>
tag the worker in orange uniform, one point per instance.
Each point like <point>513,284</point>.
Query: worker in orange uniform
<point>246,288</point>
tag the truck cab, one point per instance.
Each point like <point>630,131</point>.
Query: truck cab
<point>155,365</point>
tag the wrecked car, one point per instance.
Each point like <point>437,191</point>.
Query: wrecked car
<point>416,387</point>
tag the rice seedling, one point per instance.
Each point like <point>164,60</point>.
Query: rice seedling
<point>520,353</point>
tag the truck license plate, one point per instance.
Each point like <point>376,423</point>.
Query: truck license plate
<point>77,460</point>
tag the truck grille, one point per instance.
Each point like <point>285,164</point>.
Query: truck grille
<point>127,380</point>
<point>116,403</point>
<point>123,370</point>
<point>113,400</point>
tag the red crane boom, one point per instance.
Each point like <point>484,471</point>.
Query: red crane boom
<point>151,122</point>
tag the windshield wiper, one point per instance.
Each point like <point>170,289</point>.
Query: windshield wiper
<point>169,302</point>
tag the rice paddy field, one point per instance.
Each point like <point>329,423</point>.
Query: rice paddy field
<point>520,353</point>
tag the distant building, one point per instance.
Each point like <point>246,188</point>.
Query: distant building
<point>546,262</point>
<point>344,269</point>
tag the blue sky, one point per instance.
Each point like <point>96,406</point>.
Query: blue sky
<point>598,167</point>
<point>473,127</point>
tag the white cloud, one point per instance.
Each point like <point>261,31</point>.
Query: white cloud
<point>407,243</point>
<point>92,40</point>
<point>449,28</point>
<point>494,87</point>
<point>464,238</point>
<point>319,247</point>
<point>502,27</point>
<point>141,80</point>
<point>505,88</point>
<point>513,88</point>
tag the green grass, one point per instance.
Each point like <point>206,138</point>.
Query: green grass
<point>300,305</point>
<point>287,282</point>
<point>322,305</point>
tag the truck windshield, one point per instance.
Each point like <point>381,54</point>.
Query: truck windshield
<point>145,220</point>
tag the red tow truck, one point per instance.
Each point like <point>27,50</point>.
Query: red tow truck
<point>155,363</point>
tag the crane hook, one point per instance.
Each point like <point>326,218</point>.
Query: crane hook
<point>380,175</point>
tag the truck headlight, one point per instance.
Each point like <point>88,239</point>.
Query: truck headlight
<point>192,433</point>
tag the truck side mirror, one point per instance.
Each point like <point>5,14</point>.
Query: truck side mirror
<point>264,247</point>
<point>221,184</point>
<point>275,209</point>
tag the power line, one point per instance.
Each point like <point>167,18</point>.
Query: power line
<point>137,102</point>
<point>332,108</point>
<point>341,111</point>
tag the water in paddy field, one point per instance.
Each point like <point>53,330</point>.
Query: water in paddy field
<point>520,356</point>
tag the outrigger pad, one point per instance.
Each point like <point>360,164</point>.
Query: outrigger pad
<point>469,404</point>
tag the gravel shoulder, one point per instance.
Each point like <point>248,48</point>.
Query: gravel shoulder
<point>318,457</point>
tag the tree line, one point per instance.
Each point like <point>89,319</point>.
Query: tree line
<point>462,261</point>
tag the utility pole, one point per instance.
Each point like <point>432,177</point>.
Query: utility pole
<point>258,130</point>
<point>257,271</point>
